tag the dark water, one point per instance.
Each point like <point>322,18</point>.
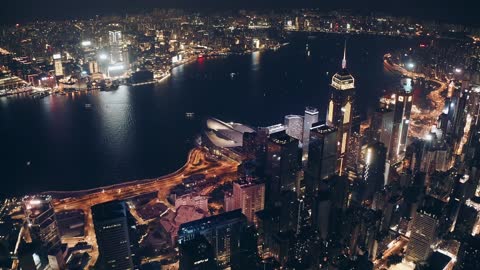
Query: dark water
<point>142,132</point>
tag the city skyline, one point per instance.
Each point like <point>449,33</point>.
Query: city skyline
<point>294,139</point>
<point>441,10</point>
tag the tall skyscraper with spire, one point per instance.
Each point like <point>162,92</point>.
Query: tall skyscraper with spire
<point>340,110</point>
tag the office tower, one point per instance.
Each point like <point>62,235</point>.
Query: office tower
<point>368,230</point>
<point>282,245</point>
<point>294,126</point>
<point>464,222</point>
<point>341,109</point>
<point>281,167</point>
<point>111,230</point>
<point>43,227</point>
<point>423,230</point>
<point>322,213</point>
<point>250,197</point>
<point>115,41</point>
<point>374,173</point>
<point>41,220</point>
<point>353,163</point>
<point>222,232</point>
<point>311,117</point>
<point>322,159</point>
<point>436,154</point>
<point>197,254</point>
<point>57,62</point>
<point>115,37</point>
<point>246,256</point>
<point>382,125</point>
<point>254,144</point>
<point>469,254</point>
<point>401,118</point>
<point>329,205</point>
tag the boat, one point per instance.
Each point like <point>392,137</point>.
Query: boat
<point>189,115</point>
<point>88,105</point>
<point>110,85</point>
<point>40,94</point>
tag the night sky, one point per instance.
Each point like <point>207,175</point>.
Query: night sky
<point>459,11</point>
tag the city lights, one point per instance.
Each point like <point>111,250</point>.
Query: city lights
<point>86,43</point>
<point>344,139</point>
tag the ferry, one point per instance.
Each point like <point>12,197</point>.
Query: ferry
<point>40,94</point>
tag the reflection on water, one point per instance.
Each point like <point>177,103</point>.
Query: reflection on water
<point>255,60</point>
<point>142,132</point>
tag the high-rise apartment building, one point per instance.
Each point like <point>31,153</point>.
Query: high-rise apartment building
<point>250,197</point>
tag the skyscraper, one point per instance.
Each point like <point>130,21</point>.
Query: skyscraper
<point>374,173</point>
<point>322,157</point>
<point>114,37</point>
<point>57,62</point>
<point>41,220</point>
<point>311,117</point>
<point>250,197</point>
<point>341,109</point>
<point>115,40</point>
<point>382,125</point>
<point>423,230</point>
<point>197,254</point>
<point>401,119</point>
<point>294,126</point>
<point>469,254</point>
<point>282,166</point>
<point>222,232</point>
<point>111,230</point>
<point>43,227</point>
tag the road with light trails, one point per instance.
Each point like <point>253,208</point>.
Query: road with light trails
<point>421,121</point>
<point>198,162</point>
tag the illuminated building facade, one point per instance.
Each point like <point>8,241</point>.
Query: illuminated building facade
<point>43,227</point>
<point>41,221</point>
<point>401,119</point>
<point>311,117</point>
<point>197,254</point>
<point>423,230</point>
<point>341,109</point>
<point>57,63</point>
<point>113,240</point>
<point>250,197</point>
<point>294,126</point>
<point>374,172</point>
<point>115,39</point>
<point>222,231</point>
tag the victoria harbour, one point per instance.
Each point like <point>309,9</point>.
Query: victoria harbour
<point>61,143</point>
<point>240,135</point>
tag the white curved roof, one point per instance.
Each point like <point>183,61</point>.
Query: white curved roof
<point>226,134</point>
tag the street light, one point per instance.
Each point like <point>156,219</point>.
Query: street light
<point>410,65</point>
